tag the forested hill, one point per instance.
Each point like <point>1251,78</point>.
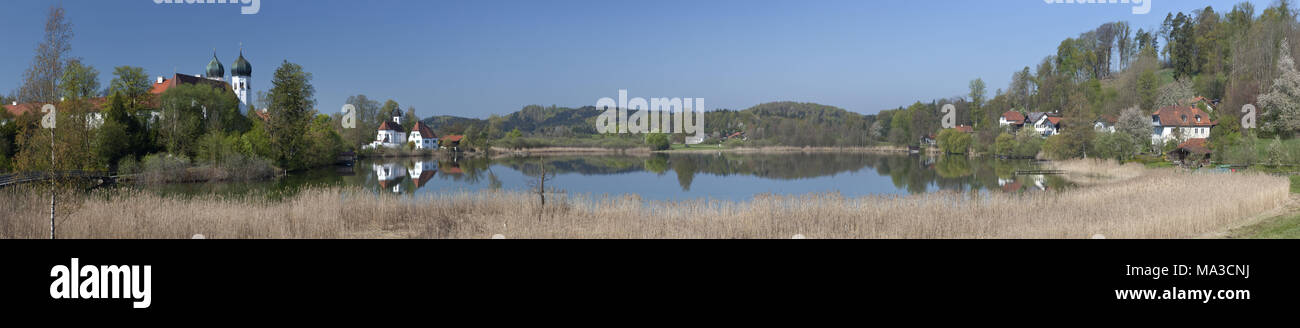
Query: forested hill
<point>776,123</point>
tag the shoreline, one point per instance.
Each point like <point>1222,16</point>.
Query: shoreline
<point>1132,202</point>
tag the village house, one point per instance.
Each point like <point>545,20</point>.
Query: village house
<point>1192,151</point>
<point>423,137</point>
<point>1105,123</point>
<point>452,142</point>
<point>1180,123</point>
<point>1012,119</point>
<point>1046,124</point>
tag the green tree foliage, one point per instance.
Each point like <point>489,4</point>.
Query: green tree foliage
<point>658,141</point>
<point>292,99</point>
<point>131,83</point>
<point>183,120</point>
<point>952,141</point>
<point>368,119</point>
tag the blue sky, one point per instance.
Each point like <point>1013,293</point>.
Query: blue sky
<point>476,58</point>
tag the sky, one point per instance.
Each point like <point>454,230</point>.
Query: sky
<point>483,57</point>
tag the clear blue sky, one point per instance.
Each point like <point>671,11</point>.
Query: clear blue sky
<point>475,58</point>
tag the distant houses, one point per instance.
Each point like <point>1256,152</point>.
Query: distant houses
<point>1045,124</point>
<point>1105,123</point>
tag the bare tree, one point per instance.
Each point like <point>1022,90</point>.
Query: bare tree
<point>41,80</point>
<point>539,186</point>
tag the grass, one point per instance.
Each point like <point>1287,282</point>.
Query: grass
<point>1136,203</point>
<point>1286,226</point>
<point>685,147</point>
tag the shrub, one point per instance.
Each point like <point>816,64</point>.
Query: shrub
<point>658,141</point>
<point>1005,145</point>
<point>954,142</point>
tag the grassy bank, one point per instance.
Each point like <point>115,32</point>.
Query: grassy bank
<point>1285,226</point>
<point>1141,204</point>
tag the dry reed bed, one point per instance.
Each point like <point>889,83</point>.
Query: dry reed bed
<point>1145,204</point>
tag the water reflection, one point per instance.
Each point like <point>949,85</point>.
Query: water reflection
<point>673,176</point>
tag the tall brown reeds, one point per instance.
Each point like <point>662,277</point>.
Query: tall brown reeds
<point>1136,203</point>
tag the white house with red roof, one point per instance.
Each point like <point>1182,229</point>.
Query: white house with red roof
<point>1013,119</point>
<point>423,137</point>
<point>1180,123</point>
<point>391,134</point>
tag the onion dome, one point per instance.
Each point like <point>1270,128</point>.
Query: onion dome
<point>215,69</point>
<point>242,67</point>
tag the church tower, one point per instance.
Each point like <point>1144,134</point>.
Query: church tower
<point>240,74</point>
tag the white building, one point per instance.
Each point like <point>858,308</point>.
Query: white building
<point>1047,125</point>
<point>1180,123</point>
<point>423,137</point>
<point>391,134</point>
<point>1105,123</point>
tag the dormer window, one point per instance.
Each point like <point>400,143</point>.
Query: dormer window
<point>1198,119</point>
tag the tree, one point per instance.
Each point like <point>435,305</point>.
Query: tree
<point>952,141</point>
<point>292,99</point>
<point>114,140</point>
<point>1175,94</point>
<point>1136,124</point>
<point>41,80</point>
<point>977,98</point>
<point>368,119</point>
<point>1005,144</point>
<point>79,81</point>
<point>1281,105</point>
<point>131,83</point>
<point>182,121</point>
<point>391,109</point>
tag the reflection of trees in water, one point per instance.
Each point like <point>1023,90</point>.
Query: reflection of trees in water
<point>911,173</point>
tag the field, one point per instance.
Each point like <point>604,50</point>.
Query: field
<point>1118,202</point>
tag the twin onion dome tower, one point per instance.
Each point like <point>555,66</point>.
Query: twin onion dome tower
<point>240,74</point>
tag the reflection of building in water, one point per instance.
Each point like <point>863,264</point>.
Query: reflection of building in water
<point>452,167</point>
<point>423,172</point>
<point>1036,182</point>
<point>390,176</point>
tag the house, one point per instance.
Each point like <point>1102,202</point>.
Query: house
<point>423,137</point>
<point>1192,151</point>
<point>928,140</point>
<point>1046,124</point>
<point>1180,123</point>
<point>965,129</point>
<point>1012,119</point>
<point>452,142</point>
<point>740,135</point>
<point>1105,123</point>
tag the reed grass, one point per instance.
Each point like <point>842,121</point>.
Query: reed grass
<point>1138,203</point>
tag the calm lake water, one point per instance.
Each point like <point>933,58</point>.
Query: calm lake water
<point>664,176</point>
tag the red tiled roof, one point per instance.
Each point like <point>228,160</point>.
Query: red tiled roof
<point>965,129</point>
<point>1195,146</point>
<point>391,126</point>
<point>1014,117</point>
<point>159,88</point>
<point>425,131</point>
<point>96,104</point>
<point>1054,120</point>
<point>1183,117</point>
<point>1108,119</point>
<point>453,138</point>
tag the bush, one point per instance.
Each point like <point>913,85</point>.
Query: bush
<point>658,141</point>
<point>954,142</point>
<point>128,165</point>
<point>1005,145</point>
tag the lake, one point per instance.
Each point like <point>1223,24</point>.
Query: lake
<point>675,176</point>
